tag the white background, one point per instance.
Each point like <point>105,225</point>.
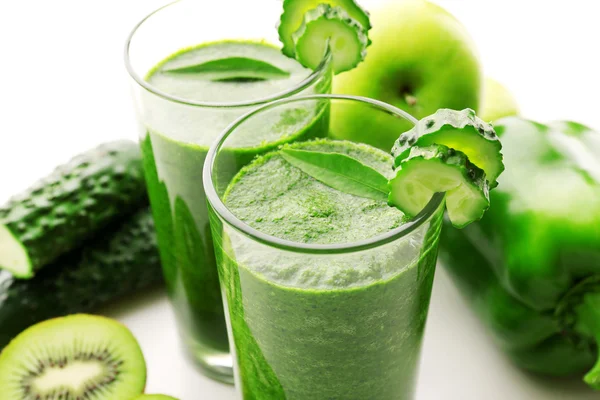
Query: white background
<point>63,88</point>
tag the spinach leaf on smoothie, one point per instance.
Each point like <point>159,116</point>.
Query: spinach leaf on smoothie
<point>232,69</point>
<point>340,172</point>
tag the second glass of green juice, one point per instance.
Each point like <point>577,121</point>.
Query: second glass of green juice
<point>194,72</point>
<point>326,291</point>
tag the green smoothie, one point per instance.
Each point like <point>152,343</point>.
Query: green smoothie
<point>175,141</point>
<point>323,326</point>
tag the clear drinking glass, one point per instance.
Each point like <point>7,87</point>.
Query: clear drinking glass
<point>311,320</point>
<point>178,121</point>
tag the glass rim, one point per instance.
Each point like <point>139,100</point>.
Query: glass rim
<point>219,207</point>
<point>298,87</point>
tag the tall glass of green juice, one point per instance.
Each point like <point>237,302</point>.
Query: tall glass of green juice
<point>326,292</point>
<point>194,72</point>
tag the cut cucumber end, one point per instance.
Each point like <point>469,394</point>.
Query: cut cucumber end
<point>13,256</point>
<point>459,130</point>
<point>294,12</point>
<point>435,169</point>
<point>327,26</point>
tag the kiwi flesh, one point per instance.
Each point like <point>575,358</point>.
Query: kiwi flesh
<point>73,358</point>
<point>155,397</point>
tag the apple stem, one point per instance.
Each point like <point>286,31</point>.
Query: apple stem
<point>410,100</point>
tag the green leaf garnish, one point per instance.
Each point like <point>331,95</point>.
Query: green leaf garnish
<point>232,69</point>
<point>340,172</point>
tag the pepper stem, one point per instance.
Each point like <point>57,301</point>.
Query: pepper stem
<point>588,323</point>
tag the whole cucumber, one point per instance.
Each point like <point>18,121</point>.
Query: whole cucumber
<point>58,213</point>
<point>119,260</point>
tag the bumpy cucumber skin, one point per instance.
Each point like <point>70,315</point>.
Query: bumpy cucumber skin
<point>61,211</point>
<point>457,159</point>
<point>290,8</point>
<point>120,260</point>
<point>438,121</point>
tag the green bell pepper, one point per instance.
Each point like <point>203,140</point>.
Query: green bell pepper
<point>531,266</point>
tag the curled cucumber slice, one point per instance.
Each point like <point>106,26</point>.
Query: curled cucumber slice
<point>295,10</point>
<point>330,26</point>
<point>459,130</point>
<point>437,168</point>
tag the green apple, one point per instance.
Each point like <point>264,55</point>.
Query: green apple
<point>421,59</point>
<point>498,102</point>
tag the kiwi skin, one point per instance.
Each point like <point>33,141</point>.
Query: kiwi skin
<point>93,339</point>
<point>155,397</point>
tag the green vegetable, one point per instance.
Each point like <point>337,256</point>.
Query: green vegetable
<point>60,212</point>
<point>294,12</point>
<point>232,68</point>
<point>434,169</point>
<point>581,142</point>
<point>531,266</point>
<point>119,261</point>
<point>340,172</point>
<point>327,26</point>
<point>459,130</point>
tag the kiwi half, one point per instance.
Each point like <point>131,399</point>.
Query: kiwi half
<point>155,397</point>
<point>72,358</point>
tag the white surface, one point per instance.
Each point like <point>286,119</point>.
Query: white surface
<point>63,88</point>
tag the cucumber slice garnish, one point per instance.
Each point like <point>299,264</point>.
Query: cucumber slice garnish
<point>459,130</point>
<point>295,10</point>
<point>437,168</point>
<point>330,26</point>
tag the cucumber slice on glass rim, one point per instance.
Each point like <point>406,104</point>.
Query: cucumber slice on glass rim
<point>327,26</point>
<point>437,168</point>
<point>459,130</point>
<point>295,10</point>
